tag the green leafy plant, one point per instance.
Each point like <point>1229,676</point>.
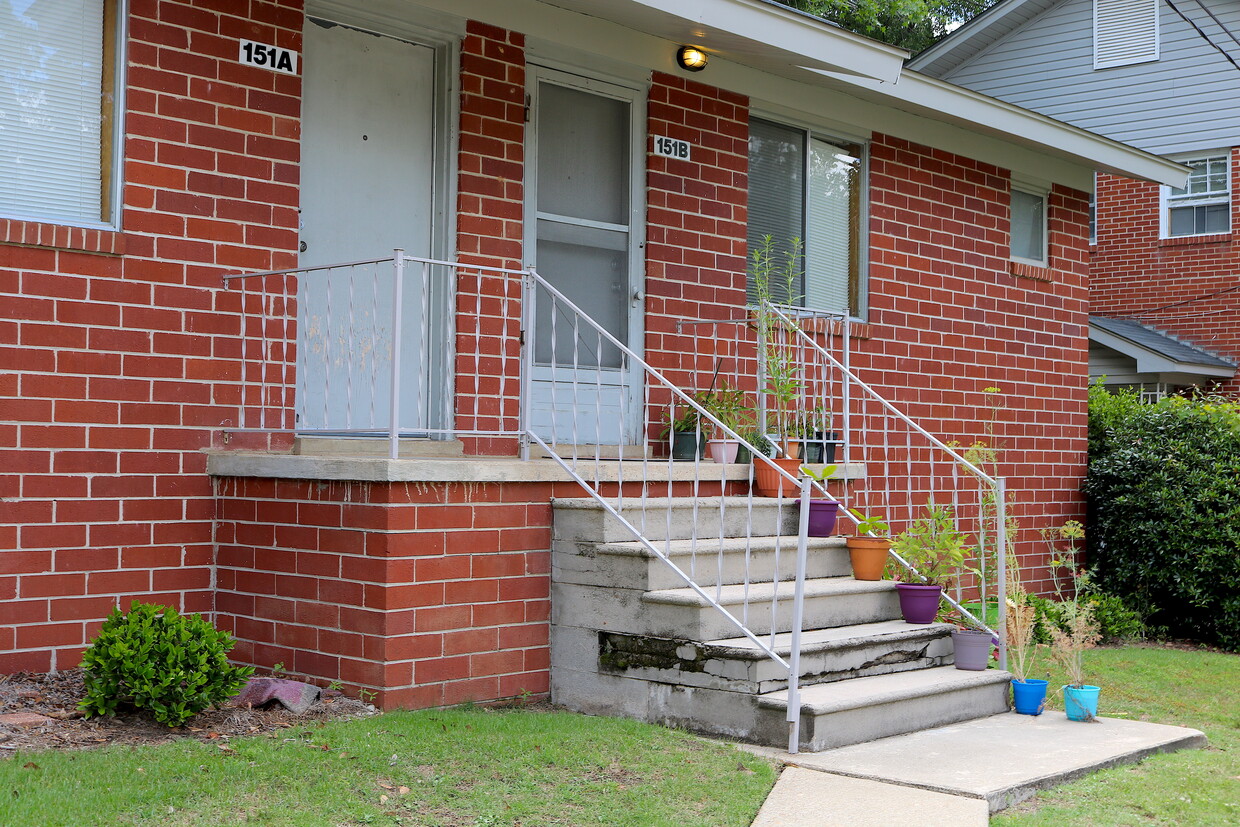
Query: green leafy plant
<point>153,658</point>
<point>731,406</point>
<point>820,476</point>
<point>872,524</point>
<point>934,546</point>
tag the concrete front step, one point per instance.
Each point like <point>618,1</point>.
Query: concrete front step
<point>830,602</point>
<point>863,709</point>
<point>740,665</point>
<point>729,560</point>
<point>584,520</point>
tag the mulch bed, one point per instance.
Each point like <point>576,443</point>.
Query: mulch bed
<point>55,696</point>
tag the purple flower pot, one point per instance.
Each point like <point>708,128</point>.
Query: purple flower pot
<point>918,603</point>
<point>822,517</point>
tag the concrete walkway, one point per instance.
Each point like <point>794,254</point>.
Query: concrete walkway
<point>955,775</point>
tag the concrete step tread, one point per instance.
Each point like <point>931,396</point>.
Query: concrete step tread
<point>739,593</point>
<point>713,545</point>
<point>858,693</point>
<point>816,640</point>
<point>633,504</point>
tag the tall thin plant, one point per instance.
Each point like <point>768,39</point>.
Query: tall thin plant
<point>1078,628</point>
<point>777,281</point>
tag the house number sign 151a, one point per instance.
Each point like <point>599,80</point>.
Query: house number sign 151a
<point>672,148</point>
<point>268,57</point>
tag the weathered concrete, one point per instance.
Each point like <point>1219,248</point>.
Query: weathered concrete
<point>862,709</point>
<point>1002,759</point>
<point>708,561</point>
<point>805,798</point>
<point>738,664</point>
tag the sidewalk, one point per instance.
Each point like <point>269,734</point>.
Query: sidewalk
<point>955,775</point>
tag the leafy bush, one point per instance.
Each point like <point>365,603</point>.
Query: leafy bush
<point>155,659</point>
<point>1116,621</point>
<point>1163,489</point>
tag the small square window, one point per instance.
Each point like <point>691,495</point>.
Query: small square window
<point>1028,227</point>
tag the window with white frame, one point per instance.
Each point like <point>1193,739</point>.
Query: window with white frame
<point>1028,228</point>
<point>809,188</point>
<point>58,85</point>
<point>1125,32</point>
<point>1203,205</point>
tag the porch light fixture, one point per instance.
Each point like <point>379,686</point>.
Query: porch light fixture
<point>691,58</point>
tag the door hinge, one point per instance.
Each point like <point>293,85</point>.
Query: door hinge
<point>528,102</point>
<point>521,338</point>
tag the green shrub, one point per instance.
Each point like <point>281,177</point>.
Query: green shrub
<point>1116,621</point>
<point>155,659</point>
<point>1163,489</point>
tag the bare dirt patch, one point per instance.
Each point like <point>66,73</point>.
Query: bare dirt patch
<point>55,696</point>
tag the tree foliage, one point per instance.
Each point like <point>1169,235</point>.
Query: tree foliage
<point>1163,489</point>
<point>910,24</point>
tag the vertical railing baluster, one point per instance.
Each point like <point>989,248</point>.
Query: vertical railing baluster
<point>398,286</point>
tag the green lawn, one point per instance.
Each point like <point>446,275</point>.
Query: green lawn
<point>455,767</point>
<point>1199,689</point>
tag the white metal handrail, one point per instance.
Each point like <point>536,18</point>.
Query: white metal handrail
<point>996,486</point>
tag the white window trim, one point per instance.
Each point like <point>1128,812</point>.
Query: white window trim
<point>823,130</point>
<point>116,180</point>
<point>1125,17</point>
<point>1164,195</point>
<point>1042,190</point>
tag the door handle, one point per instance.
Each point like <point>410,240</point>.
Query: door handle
<point>638,295</point>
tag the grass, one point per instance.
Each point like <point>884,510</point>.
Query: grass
<point>470,768</point>
<point>1154,683</point>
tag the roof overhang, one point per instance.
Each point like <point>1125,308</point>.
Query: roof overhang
<point>1151,361</point>
<point>946,102</point>
<point>758,33</point>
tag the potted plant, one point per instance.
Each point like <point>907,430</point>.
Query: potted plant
<point>818,442</point>
<point>869,549</point>
<point>935,548</point>
<point>1028,694</point>
<point>781,370</point>
<point>972,648</point>
<point>822,513</point>
<point>684,426</point>
<point>1077,630</point>
<point>730,406</point>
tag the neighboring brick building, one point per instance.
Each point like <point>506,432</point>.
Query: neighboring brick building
<point>456,131</point>
<point>1162,256</point>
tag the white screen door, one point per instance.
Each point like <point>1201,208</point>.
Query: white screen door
<point>585,196</point>
<point>367,183</point>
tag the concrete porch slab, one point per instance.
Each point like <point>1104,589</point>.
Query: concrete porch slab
<point>1002,759</point>
<point>819,799</point>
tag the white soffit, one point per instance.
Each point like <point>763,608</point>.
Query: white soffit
<point>760,34</point>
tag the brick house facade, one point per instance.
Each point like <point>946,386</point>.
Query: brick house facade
<point>123,476</point>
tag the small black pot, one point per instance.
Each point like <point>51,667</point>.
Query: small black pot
<point>683,443</point>
<point>821,449</point>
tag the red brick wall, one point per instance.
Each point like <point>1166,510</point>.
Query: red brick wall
<point>426,594</point>
<point>490,207</point>
<point>948,318</point>
<point>1137,274</point>
<point>696,211</point>
<point>123,339</point>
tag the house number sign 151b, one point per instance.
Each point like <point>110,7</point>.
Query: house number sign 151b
<point>672,148</point>
<point>268,57</point>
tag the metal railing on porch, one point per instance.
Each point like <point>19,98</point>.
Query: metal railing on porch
<point>404,346</point>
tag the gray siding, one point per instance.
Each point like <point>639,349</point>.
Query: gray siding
<point>1189,99</point>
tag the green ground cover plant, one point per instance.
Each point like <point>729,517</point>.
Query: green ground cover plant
<point>439,768</point>
<point>1194,688</point>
